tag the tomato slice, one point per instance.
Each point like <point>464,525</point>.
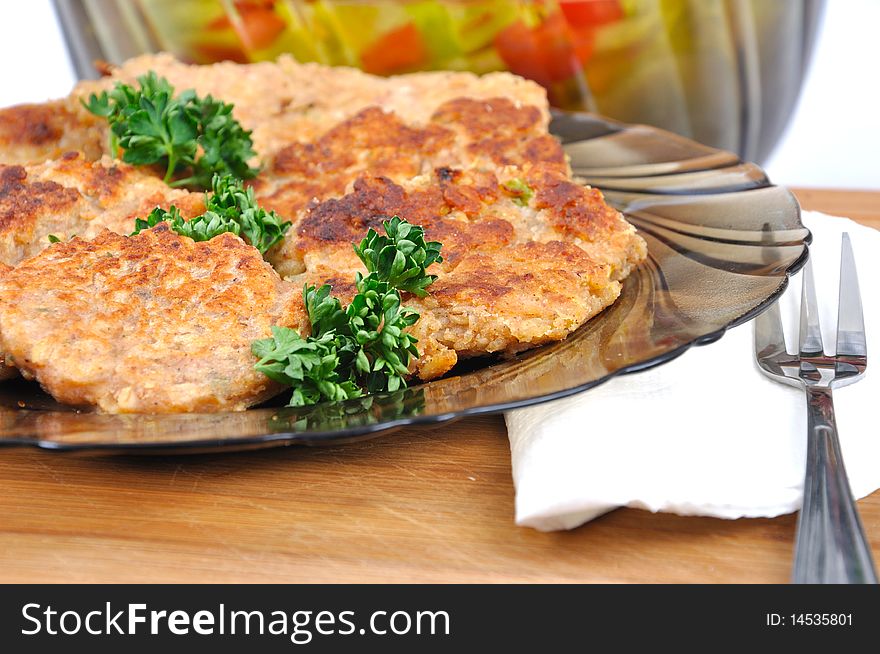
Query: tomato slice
<point>258,25</point>
<point>398,50</point>
<point>551,52</point>
<point>519,51</point>
<point>590,13</point>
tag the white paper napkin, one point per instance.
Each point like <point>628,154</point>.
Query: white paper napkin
<point>706,434</point>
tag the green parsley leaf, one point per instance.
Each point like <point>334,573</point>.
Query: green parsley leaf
<point>401,256</point>
<point>325,311</point>
<point>365,345</point>
<point>183,133</point>
<point>377,323</point>
<point>207,226</point>
<point>231,208</point>
<point>309,365</point>
<point>54,239</point>
<point>158,215</point>
<point>226,145</point>
<point>234,203</point>
<point>200,228</point>
<point>148,124</point>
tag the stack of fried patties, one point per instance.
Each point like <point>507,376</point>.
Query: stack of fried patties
<point>159,323</point>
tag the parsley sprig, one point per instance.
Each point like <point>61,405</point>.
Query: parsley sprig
<point>183,133</point>
<point>230,208</point>
<point>233,203</point>
<point>377,321</point>
<point>401,257</point>
<point>310,365</point>
<point>364,346</point>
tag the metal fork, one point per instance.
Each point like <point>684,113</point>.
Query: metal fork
<point>831,546</point>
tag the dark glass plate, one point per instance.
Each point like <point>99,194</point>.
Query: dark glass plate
<point>722,242</point>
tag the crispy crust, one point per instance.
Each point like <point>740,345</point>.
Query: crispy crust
<point>6,371</point>
<point>508,300</point>
<point>282,102</point>
<point>307,178</point>
<point>32,133</point>
<point>462,134</point>
<point>437,204</point>
<point>148,323</point>
<point>71,196</point>
<point>508,282</point>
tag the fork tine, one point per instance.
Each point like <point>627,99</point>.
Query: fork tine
<point>810,341</point>
<point>769,337</point>
<point>850,321</point>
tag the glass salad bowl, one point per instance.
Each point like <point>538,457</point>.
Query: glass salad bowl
<point>723,72</point>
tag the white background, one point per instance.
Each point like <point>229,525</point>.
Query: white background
<point>833,139</point>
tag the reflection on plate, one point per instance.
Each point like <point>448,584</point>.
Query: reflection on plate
<point>721,239</point>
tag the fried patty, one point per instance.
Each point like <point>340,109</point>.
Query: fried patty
<point>467,162</point>
<point>282,102</point>
<point>6,371</point>
<point>70,197</point>
<point>33,133</point>
<point>529,254</point>
<point>513,276</point>
<point>149,323</point>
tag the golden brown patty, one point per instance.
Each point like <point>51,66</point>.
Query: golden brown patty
<point>286,101</point>
<point>508,300</point>
<point>6,371</point>
<point>33,133</point>
<point>148,323</point>
<point>508,282</point>
<point>462,134</point>
<point>73,197</point>
<point>281,102</point>
<point>529,254</point>
<point>465,163</point>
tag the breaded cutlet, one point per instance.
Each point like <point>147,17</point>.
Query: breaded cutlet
<point>530,255</point>
<point>6,371</point>
<point>152,323</point>
<point>70,196</point>
<point>282,101</point>
<point>34,133</point>
<point>509,281</point>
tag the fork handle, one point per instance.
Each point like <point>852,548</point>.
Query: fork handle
<point>831,547</point>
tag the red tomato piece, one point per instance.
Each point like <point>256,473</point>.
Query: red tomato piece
<point>590,13</point>
<point>219,24</point>
<point>398,50</point>
<point>517,46</point>
<point>551,52</point>
<point>259,25</point>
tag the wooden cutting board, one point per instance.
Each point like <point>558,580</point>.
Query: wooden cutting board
<point>417,505</point>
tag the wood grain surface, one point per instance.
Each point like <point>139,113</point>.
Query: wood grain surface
<point>417,505</point>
